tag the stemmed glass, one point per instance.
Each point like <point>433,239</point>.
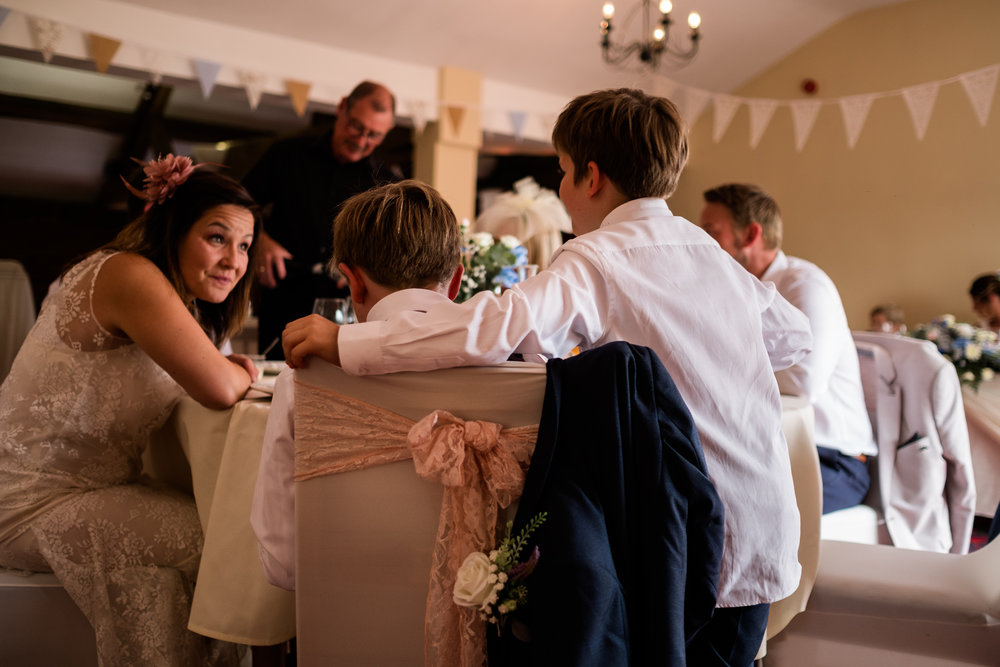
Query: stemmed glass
<point>336,310</point>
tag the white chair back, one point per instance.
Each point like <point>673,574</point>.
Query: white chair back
<point>364,538</point>
<point>797,424</point>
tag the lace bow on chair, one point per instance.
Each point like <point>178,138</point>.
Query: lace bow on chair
<point>482,466</point>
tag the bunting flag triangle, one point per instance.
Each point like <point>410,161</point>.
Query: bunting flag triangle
<point>3,14</point>
<point>103,50</point>
<point>151,60</point>
<point>253,83</point>
<point>299,92</point>
<point>207,73</point>
<point>855,110</point>
<point>980,87</point>
<point>517,119</point>
<point>46,35</point>
<point>418,114</point>
<point>692,104</point>
<point>804,114</point>
<point>920,102</point>
<point>760,116</point>
<point>457,116</point>
<point>725,109</point>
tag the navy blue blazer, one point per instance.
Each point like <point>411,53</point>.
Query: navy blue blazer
<point>631,550</point>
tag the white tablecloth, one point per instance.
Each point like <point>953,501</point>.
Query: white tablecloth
<point>217,459</point>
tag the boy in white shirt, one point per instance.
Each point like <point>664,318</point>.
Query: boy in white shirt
<point>399,247</point>
<point>635,272</point>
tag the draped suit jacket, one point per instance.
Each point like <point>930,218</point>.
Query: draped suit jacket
<point>631,550</point>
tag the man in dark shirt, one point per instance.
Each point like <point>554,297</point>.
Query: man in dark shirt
<point>301,182</point>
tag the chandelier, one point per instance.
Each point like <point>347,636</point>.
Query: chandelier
<point>655,43</point>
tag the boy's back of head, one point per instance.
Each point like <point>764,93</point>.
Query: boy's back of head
<point>639,141</point>
<point>402,234</point>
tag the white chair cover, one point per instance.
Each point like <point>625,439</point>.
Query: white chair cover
<point>880,605</point>
<point>797,424</point>
<point>364,539</point>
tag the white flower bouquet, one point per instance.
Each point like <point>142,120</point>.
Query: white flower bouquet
<point>494,583</point>
<point>490,264</point>
<point>974,352</point>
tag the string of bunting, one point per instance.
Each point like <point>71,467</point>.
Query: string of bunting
<point>979,85</point>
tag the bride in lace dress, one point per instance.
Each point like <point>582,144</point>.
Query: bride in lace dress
<point>128,330</point>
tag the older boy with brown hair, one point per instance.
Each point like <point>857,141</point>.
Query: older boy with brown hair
<point>399,246</point>
<point>637,273</point>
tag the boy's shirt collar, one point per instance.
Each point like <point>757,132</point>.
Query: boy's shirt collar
<point>406,299</point>
<point>637,209</point>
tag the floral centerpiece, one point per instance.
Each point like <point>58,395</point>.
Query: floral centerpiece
<point>490,264</point>
<point>495,583</point>
<point>975,352</point>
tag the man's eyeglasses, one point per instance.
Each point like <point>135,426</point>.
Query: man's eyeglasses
<point>358,129</point>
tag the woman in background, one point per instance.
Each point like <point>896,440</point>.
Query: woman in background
<point>128,329</point>
<point>985,293</point>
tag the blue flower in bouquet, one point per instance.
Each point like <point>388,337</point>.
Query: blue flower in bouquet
<point>974,352</point>
<point>490,264</point>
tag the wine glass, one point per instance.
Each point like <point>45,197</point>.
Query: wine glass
<point>334,309</point>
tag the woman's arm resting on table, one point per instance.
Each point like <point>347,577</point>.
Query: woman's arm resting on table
<point>310,336</point>
<point>246,363</point>
<point>133,298</point>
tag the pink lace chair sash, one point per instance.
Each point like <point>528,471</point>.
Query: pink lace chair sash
<point>336,433</point>
<point>480,464</point>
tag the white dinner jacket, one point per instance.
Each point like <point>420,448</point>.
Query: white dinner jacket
<point>928,493</point>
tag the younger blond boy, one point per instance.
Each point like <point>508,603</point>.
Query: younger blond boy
<point>400,248</point>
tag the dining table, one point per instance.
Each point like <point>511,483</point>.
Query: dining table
<point>215,454</point>
<point>982,415</point>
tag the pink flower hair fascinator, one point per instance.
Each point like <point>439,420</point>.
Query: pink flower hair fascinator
<point>163,176</point>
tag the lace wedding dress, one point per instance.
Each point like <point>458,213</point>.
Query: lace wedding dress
<point>76,412</point>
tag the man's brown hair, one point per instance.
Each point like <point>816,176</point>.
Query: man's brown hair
<point>748,203</point>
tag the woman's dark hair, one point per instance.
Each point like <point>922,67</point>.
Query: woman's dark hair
<point>158,233</point>
<point>984,285</point>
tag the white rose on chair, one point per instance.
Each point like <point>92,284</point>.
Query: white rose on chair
<point>476,581</point>
<point>495,583</point>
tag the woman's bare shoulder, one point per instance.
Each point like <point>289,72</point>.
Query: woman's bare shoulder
<point>127,270</point>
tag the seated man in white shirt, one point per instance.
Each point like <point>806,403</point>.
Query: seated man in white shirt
<point>636,272</point>
<point>746,222</point>
<point>399,247</point>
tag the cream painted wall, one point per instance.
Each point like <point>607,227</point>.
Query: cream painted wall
<point>894,219</point>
